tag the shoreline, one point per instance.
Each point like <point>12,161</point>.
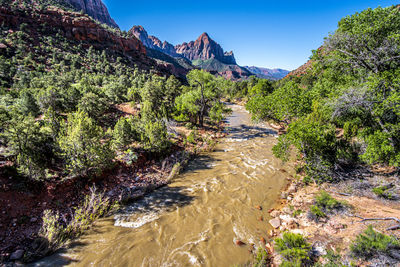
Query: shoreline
<point>338,230</point>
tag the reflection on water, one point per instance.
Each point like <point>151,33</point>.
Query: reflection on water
<point>195,220</point>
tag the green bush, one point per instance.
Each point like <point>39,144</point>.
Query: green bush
<point>383,191</point>
<point>154,136</point>
<point>93,105</point>
<point>124,133</point>
<point>29,143</point>
<point>317,212</point>
<point>192,137</point>
<point>327,202</point>
<point>370,243</point>
<point>294,249</point>
<point>262,258</point>
<point>83,147</point>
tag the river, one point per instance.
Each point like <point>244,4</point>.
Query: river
<point>221,197</point>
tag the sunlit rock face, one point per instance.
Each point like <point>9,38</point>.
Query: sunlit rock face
<point>94,8</point>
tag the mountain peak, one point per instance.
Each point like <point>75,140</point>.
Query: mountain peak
<point>204,35</point>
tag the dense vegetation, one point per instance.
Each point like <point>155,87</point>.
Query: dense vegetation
<point>345,110</point>
<point>60,105</point>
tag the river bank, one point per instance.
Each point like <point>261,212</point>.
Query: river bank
<point>24,203</point>
<point>338,231</point>
<point>213,214</point>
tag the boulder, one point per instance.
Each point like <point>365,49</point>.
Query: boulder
<point>276,222</point>
<point>17,255</point>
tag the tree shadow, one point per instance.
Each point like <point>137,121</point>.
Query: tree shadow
<point>200,162</point>
<point>247,132</point>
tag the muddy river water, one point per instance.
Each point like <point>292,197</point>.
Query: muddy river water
<point>197,219</point>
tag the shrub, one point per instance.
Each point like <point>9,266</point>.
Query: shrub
<point>327,202</point>
<point>57,232</point>
<point>83,146</point>
<point>93,105</point>
<point>370,243</point>
<point>316,212</point>
<point>28,143</point>
<point>192,137</point>
<point>261,258</point>
<point>123,133</point>
<point>324,203</point>
<point>382,191</point>
<point>294,248</point>
<point>155,136</point>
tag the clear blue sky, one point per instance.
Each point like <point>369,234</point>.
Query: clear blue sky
<point>262,33</point>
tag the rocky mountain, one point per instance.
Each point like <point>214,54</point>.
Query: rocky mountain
<point>203,53</point>
<point>271,74</point>
<point>94,8</point>
<point>153,42</point>
<point>205,48</point>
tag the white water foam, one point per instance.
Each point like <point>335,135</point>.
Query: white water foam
<point>144,219</point>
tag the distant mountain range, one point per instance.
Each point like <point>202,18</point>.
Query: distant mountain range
<point>206,54</point>
<point>271,74</point>
<point>202,53</point>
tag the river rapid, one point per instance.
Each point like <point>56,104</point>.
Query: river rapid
<point>197,219</point>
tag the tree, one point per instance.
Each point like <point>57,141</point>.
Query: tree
<point>197,99</point>
<point>83,146</point>
<point>28,143</point>
<point>124,133</point>
<point>93,105</point>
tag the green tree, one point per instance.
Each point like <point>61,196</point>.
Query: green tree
<point>27,142</point>
<point>83,146</point>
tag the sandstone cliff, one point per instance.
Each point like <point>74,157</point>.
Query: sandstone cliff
<point>94,8</point>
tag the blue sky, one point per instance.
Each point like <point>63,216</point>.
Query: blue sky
<point>273,34</point>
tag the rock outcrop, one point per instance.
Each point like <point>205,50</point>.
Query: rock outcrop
<point>153,42</point>
<point>94,8</point>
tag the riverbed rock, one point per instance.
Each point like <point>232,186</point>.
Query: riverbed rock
<point>17,255</point>
<point>239,243</point>
<point>275,213</point>
<point>292,188</point>
<point>276,222</point>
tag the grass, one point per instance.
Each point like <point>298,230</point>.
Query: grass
<point>371,243</point>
